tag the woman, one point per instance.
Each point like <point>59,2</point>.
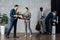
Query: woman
<point>27,17</point>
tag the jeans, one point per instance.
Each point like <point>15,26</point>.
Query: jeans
<point>27,25</point>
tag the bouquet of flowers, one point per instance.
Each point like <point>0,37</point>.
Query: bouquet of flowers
<point>18,13</point>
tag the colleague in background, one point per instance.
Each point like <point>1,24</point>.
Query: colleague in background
<point>27,17</point>
<point>49,21</point>
<point>41,21</point>
<point>13,21</point>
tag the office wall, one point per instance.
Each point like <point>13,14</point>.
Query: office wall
<point>33,5</point>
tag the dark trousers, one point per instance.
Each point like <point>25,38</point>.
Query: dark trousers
<point>48,28</point>
<point>12,24</point>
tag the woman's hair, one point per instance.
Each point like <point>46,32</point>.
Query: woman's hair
<point>27,8</point>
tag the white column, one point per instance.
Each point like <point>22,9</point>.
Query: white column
<point>53,37</point>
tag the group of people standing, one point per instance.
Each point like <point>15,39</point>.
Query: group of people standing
<point>46,23</point>
<point>51,17</point>
<point>14,18</point>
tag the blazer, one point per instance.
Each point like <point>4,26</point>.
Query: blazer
<point>49,19</point>
<point>12,13</point>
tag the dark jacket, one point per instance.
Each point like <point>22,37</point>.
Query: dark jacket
<point>12,13</point>
<point>49,19</point>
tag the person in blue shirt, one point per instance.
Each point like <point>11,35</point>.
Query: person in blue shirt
<point>49,20</point>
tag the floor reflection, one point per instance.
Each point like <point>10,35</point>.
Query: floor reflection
<point>35,37</point>
<point>28,38</point>
<point>53,37</point>
<point>42,37</point>
<point>2,37</point>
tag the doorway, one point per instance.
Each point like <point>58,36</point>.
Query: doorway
<point>55,5</point>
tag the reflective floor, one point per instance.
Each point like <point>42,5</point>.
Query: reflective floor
<point>35,37</point>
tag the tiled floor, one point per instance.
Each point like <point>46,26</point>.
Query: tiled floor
<point>35,37</point>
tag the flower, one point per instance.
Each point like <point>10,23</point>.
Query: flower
<point>18,13</point>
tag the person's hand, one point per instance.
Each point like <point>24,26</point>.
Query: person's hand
<point>16,18</point>
<point>15,15</point>
<point>24,18</point>
<point>57,22</point>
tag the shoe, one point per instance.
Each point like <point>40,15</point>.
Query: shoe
<point>7,36</point>
<point>30,36</point>
<point>49,33</point>
<point>39,32</point>
<point>45,33</point>
<point>16,37</point>
<point>25,36</point>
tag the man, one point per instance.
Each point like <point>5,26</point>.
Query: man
<point>42,20</point>
<point>49,20</point>
<point>13,21</point>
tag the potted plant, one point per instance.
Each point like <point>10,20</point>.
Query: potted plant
<point>3,21</point>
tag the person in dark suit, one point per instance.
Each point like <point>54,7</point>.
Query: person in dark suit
<point>49,20</point>
<point>13,21</point>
